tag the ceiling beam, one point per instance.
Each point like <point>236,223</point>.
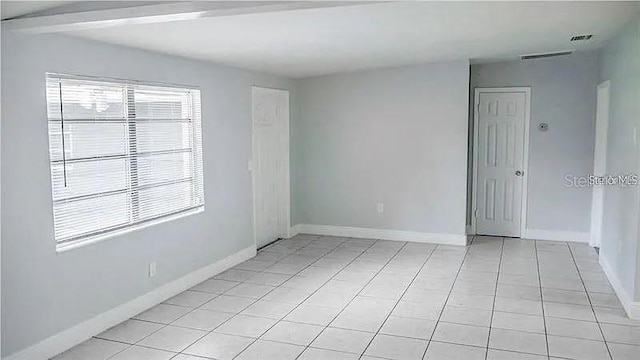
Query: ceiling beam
<point>148,14</point>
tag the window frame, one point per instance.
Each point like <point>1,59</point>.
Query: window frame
<point>196,149</point>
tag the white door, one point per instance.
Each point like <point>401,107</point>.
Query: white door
<point>270,165</point>
<point>500,169</point>
<point>599,161</point>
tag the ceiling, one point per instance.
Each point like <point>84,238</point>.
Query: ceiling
<point>317,41</point>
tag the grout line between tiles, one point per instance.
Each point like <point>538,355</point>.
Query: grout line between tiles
<point>278,321</point>
<point>400,298</point>
<point>356,295</point>
<point>466,252</point>
<point>166,325</point>
<point>493,305</point>
<point>604,339</point>
<point>544,318</point>
<point>313,292</point>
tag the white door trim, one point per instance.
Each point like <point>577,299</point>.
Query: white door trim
<point>602,123</point>
<point>287,231</point>
<point>527,120</point>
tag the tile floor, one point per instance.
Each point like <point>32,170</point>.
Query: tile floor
<point>315,297</point>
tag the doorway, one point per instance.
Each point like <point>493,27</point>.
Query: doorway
<point>500,166</point>
<point>270,164</point>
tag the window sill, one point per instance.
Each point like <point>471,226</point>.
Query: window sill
<point>67,246</point>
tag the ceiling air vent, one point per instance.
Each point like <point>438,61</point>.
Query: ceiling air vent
<point>581,37</point>
<point>545,55</point>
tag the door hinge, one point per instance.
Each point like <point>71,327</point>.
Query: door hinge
<point>475,213</point>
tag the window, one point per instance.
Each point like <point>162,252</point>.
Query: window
<point>123,155</point>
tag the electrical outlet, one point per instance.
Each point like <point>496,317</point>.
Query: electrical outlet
<point>380,208</point>
<point>152,269</point>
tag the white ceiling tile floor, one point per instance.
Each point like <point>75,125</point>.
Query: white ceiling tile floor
<point>325,298</point>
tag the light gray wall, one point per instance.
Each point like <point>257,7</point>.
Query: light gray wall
<point>396,136</point>
<point>563,94</point>
<point>44,292</point>
<point>620,63</point>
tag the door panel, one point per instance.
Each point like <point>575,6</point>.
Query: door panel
<point>270,164</point>
<point>500,172</point>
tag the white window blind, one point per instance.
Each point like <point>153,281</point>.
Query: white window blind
<point>123,155</point>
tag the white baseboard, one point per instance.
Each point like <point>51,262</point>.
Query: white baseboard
<point>630,307</point>
<point>572,236</point>
<point>69,338</point>
<point>383,234</point>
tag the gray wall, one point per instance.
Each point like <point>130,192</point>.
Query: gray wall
<point>44,292</point>
<point>621,65</point>
<point>563,94</point>
<point>396,136</point>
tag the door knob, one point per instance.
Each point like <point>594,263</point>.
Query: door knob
<point>519,172</point>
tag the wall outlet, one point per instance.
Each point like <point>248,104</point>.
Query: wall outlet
<point>380,208</point>
<point>152,269</point>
